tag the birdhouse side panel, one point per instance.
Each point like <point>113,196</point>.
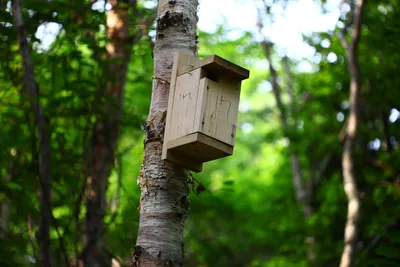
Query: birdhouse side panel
<point>221,104</point>
<point>184,106</point>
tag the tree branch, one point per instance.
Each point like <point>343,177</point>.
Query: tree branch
<point>42,125</point>
<point>348,161</point>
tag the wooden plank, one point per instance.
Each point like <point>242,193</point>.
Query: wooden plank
<point>201,97</point>
<point>202,113</point>
<point>199,148</point>
<point>224,148</point>
<point>218,65</point>
<point>183,140</point>
<point>180,59</point>
<point>185,101</point>
<point>220,112</point>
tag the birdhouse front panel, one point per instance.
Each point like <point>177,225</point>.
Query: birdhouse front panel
<point>202,110</point>
<point>185,105</point>
<point>221,105</point>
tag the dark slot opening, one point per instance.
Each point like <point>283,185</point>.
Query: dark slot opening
<point>212,76</point>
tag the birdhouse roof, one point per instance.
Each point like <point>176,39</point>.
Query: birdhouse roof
<point>220,66</point>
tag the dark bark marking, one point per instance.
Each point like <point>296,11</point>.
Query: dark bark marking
<point>173,19</point>
<point>154,128</point>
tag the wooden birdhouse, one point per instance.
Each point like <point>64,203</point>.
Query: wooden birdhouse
<point>202,110</point>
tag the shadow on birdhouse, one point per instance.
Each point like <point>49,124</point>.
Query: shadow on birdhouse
<point>202,110</point>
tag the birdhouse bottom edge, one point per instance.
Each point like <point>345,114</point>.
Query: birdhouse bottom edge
<point>192,150</point>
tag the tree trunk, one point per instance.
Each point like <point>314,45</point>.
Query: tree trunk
<point>164,199</point>
<point>43,128</point>
<point>349,176</point>
<point>301,193</point>
<point>106,132</point>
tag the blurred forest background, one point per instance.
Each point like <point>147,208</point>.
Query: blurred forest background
<point>278,201</point>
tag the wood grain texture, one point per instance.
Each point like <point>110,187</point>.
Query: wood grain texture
<point>203,104</point>
<point>181,58</point>
<point>221,105</point>
<point>194,149</point>
<point>185,102</point>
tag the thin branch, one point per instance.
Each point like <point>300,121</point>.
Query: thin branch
<point>357,25</point>
<point>348,160</point>
<point>42,126</point>
<point>297,177</point>
<point>56,227</point>
<point>302,193</point>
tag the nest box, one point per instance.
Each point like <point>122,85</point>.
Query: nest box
<point>202,110</point>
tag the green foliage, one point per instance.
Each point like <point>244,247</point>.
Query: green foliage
<point>248,214</point>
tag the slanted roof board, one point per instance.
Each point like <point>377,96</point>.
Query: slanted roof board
<point>218,65</point>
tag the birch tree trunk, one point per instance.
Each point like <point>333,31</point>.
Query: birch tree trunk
<point>349,175</point>
<point>106,133</point>
<point>43,128</point>
<point>164,199</point>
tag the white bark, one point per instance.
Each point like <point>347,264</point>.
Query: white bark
<point>164,199</point>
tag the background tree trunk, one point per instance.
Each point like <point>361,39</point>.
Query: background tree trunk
<point>106,132</point>
<point>43,128</point>
<point>164,199</point>
<point>302,193</point>
<point>349,175</point>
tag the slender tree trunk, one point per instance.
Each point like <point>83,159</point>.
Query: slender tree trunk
<point>164,200</point>
<point>106,132</point>
<point>301,193</point>
<point>43,128</point>
<point>349,175</point>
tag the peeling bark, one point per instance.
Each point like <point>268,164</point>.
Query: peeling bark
<point>43,128</point>
<point>349,175</point>
<point>164,199</point>
<point>106,132</point>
